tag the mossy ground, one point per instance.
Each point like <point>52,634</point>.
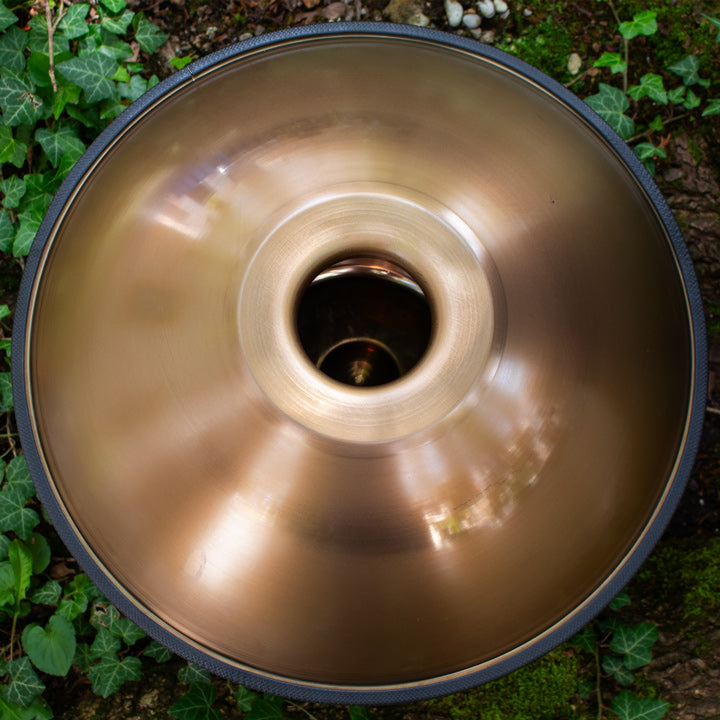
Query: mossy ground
<point>547,689</point>
<point>686,576</point>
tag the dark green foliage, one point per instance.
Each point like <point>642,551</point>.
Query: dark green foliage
<point>53,107</point>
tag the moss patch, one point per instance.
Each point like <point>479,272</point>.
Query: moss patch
<point>543,690</point>
<point>546,46</point>
<point>688,576</point>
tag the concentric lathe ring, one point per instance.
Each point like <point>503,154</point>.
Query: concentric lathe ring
<point>359,363</point>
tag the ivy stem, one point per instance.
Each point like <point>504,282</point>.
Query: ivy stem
<point>665,122</point>
<point>51,27</point>
<point>12,630</point>
<point>626,46</point>
<point>51,69</point>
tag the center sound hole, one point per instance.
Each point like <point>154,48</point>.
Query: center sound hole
<point>364,322</point>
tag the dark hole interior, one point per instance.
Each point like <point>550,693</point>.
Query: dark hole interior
<point>364,322</point>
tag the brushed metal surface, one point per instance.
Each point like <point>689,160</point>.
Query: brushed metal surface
<point>359,536</point>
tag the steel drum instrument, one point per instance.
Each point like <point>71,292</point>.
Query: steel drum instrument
<point>359,363</point>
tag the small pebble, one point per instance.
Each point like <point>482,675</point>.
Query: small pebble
<point>500,6</point>
<point>471,20</point>
<point>574,64</point>
<point>454,11</point>
<point>486,8</point>
<point>527,12</point>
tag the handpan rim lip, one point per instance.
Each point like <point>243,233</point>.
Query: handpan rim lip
<point>382,694</point>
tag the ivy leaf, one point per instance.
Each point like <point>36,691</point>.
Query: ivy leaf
<point>38,710</point>
<point>610,104</point>
<point>17,475</point>
<point>687,70</point>
<point>12,47</point>
<point>39,41</point>
<point>73,22</point>
<point>148,35</point>
<point>180,62</point>
<point>635,643</point>
<point>24,684</point>
<point>6,391</point>
<point>14,516</point>
<point>133,89</point>
<point>613,665</point>
<point>191,673</point>
<point>358,712</point>
<point>82,657</point>
<point>119,23</point>
<point>7,18</point>
<point>585,639</point>
<point>245,699</point>
<point>628,707</point>
<point>92,73</point>
<point>676,96</point>
<point>657,126</point>
<point>268,707</point>
<point>38,67</point>
<point>651,85</point>
<point>646,151</point>
<point>713,107</point>
<point>196,704</point>
<point>78,595</point>
<point>105,643</point>
<point>643,23</point>
<point>48,594</point>
<point>127,630</point>
<point>51,649</point>
<point>111,108</point>
<point>691,100</point>
<point>66,95</point>
<point>21,562</point>
<point>114,5</point>
<point>11,150</point>
<point>18,101</point>
<point>7,584</point>
<point>39,551</point>
<point>57,144</point>
<point>158,652</point>
<point>13,188</point>
<point>108,675</point>
<point>4,545</point>
<point>716,23</point>
<point>612,60</point>
<point>7,233</point>
<point>24,236</point>
<point>104,615</point>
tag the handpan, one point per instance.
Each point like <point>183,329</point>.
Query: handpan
<point>359,363</point>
